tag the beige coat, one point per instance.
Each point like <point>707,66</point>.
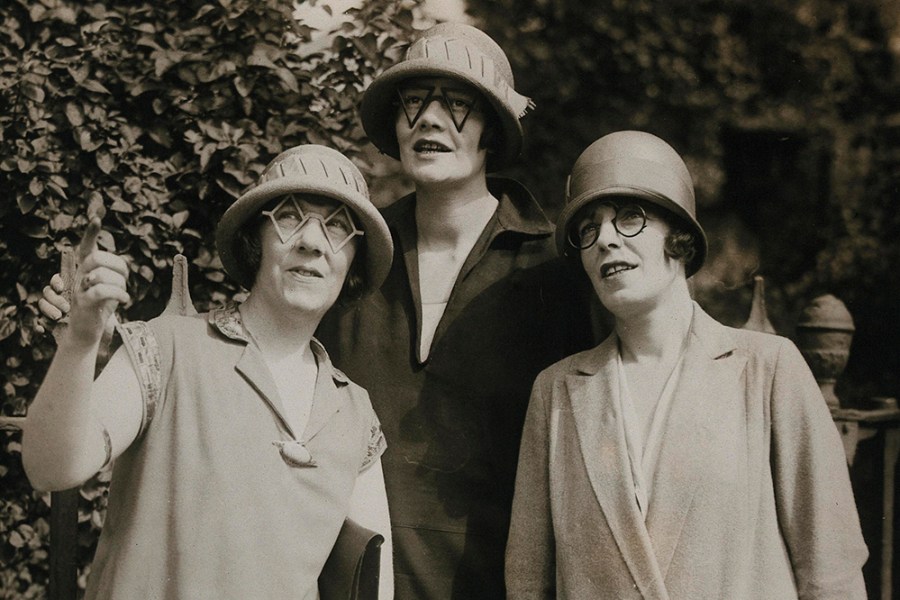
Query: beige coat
<point>751,497</point>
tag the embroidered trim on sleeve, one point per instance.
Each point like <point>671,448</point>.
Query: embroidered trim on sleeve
<point>143,350</point>
<point>107,448</point>
<point>377,446</point>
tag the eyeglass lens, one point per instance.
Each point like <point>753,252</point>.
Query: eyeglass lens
<point>628,221</point>
<point>458,103</point>
<point>289,218</point>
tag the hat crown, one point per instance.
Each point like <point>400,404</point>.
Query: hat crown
<point>320,166</point>
<point>457,43</point>
<point>632,161</point>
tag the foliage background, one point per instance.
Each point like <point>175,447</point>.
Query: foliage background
<point>788,114</point>
<point>786,111</point>
<point>163,112</point>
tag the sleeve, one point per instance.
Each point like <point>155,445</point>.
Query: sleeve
<point>151,361</point>
<point>816,509</point>
<point>376,443</point>
<point>531,550</point>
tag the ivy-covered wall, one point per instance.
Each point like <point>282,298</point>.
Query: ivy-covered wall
<point>161,111</point>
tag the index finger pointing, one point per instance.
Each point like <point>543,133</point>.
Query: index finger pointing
<point>89,242</point>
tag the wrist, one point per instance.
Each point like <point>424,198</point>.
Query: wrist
<point>79,341</point>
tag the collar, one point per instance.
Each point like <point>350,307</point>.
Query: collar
<point>517,212</point>
<point>227,320</point>
<point>710,337</point>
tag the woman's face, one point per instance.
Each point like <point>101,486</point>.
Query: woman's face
<point>308,244</point>
<point>439,126</point>
<point>629,274</point>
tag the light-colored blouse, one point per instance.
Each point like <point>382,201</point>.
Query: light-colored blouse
<point>211,500</point>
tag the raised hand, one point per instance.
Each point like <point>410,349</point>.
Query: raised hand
<point>99,287</point>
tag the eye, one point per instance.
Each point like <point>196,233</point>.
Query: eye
<point>287,217</point>
<point>339,224</point>
<point>459,101</point>
<point>587,230</point>
<point>629,214</point>
<point>412,98</point>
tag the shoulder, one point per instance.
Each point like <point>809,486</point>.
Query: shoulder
<point>587,362</point>
<point>397,209</point>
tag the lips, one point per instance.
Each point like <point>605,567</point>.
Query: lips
<point>430,146</point>
<point>611,269</point>
<point>305,272</point>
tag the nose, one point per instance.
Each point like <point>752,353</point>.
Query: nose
<point>434,114</point>
<point>608,236</point>
<point>311,236</point>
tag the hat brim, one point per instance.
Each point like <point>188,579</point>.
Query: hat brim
<point>576,204</point>
<point>378,109</point>
<point>377,237</point>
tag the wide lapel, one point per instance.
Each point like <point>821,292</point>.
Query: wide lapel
<point>593,389</point>
<point>710,367</point>
<point>404,228</point>
<point>250,365</point>
<point>327,399</point>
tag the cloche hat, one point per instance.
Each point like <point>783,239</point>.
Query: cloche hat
<point>309,169</point>
<point>461,52</point>
<point>639,165</point>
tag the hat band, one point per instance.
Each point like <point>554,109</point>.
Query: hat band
<point>622,173</point>
<point>460,56</point>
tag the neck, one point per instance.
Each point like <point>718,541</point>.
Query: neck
<point>446,215</point>
<point>277,332</point>
<point>657,334</point>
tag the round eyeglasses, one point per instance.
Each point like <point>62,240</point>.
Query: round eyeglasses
<point>628,221</point>
<point>289,218</point>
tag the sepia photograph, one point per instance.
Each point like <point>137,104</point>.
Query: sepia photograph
<point>450,299</point>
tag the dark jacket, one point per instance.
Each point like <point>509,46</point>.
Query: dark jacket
<point>453,423</point>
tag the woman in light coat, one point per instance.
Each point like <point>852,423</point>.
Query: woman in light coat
<point>679,458</point>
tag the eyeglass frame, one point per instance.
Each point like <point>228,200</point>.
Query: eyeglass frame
<point>595,227</point>
<point>305,217</point>
<point>431,96</point>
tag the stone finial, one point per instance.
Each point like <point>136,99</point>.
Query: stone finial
<point>180,302</point>
<point>824,333</point>
<point>759,317</point>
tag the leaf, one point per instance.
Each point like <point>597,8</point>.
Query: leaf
<point>95,86</point>
<point>121,206</point>
<point>105,162</point>
<point>243,87</point>
<point>179,218</point>
<point>26,203</point>
<point>36,187</point>
<point>95,205</point>
<point>33,92</point>
<point>106,241</point>
<point>7,325</point>
<point>146,272</point>
<point>206,155</point>
<point>288,79</point>
<point>75,113</point>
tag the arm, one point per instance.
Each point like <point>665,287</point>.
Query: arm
<point>369,508</point>
<point>816,508</point>
<point>531,549</point>
<point>64,441</point>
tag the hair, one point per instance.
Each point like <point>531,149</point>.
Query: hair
<point>492,136</point>
<point>247,247</point>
